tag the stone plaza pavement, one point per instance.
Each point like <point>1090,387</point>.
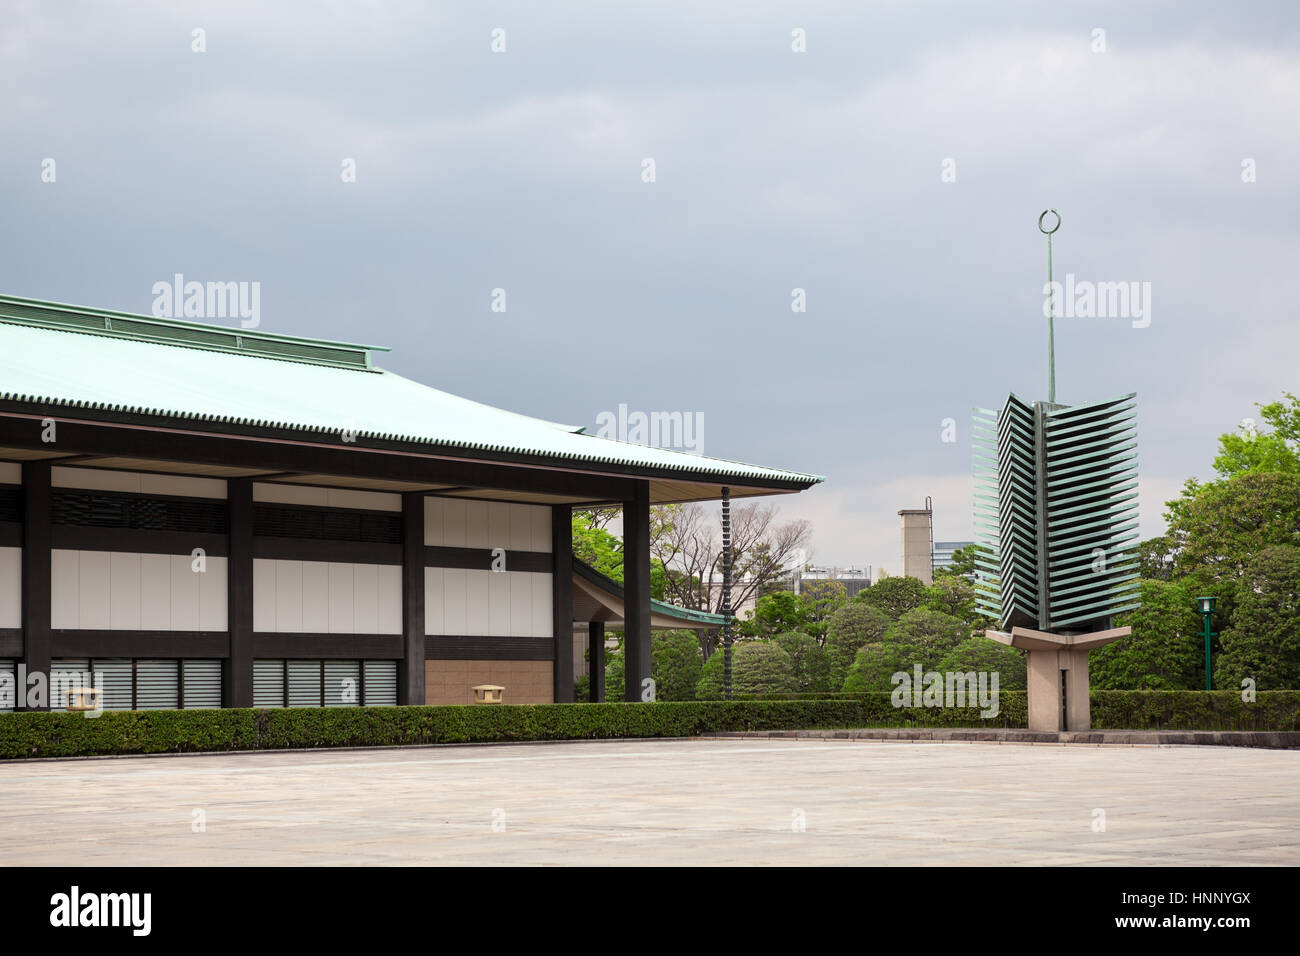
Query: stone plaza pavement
<point>693,802</point>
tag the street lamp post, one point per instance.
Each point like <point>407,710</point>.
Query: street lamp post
<point>1206,605</point>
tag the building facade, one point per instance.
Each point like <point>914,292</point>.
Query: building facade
<point>204,516</point>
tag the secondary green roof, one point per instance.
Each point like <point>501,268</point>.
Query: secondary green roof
<point>166,368</point>
<point>685,614</point>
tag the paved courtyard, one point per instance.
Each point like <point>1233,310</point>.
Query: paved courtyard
<point>750,802</point>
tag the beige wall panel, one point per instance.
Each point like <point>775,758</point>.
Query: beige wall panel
<point>453,523</point>
<point>478,597</point>
<point>213,596</point>
<point>452,682</point>
<point>476,525</point>
<point>499,602</point>
<point>433,508</point>
<point>11,587</point>
<point>11,473</point>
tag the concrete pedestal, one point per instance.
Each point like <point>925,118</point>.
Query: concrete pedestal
<point>1058,674</point>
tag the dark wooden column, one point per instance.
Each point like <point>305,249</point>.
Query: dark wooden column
<point>562,601</point>
<point>596,658</point>
<point>410,669</point>
<point>238,674</point>
<point>36,578</point>
<point>636,591</point>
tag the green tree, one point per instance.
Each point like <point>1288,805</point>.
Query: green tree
<point>930,633</point>
<point>894,596</point>
<point>1263,641</point>
<point>1252,449</point>
<point>757,667</point>
<point>1162,652</point>
<point>852,626</point>
<point>873,668</point>
<point>807,661</point>
<point>675,664</point>
<point>1227,523</point>
<point>982,654</point>
<point>955,596</point>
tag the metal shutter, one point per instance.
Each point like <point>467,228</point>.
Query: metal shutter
<point>66,674</point>
<point>203,684</point>
<point>8,686</point>
<point>342,683</point>
<point>268,683</point>
<point>116,682</point>
<point>157,685</point>
<point>381,683</point>
<point>304,683</point>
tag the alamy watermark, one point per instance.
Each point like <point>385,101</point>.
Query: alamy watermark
<point>682,431</point>
<point>946,689</point>
<point>208,300</point>
<point>1085,299</point>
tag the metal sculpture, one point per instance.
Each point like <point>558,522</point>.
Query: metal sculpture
<point>1056,521</point>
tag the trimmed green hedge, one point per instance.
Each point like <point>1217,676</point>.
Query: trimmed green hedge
<point>62,734</point>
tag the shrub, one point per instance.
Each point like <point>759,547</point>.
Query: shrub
<point>757,667</point>
<point>851,627</point>
<point>809,667</point>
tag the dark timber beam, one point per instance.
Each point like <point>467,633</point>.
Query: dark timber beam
<point>562,601</point>
<point>237,679</point>
<point>596,661</point>
<point>636,591</point>
<point>410,669</point>
<point>36,584</point>
<point>312,454</point>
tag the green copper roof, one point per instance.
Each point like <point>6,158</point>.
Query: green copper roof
<point>222,375</point>
<point>585,570</point>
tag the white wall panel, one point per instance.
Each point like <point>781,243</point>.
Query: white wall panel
<point>213,596</point>
<point>453,523</point>
<point>101,479</point>
<point>124,591</point>
<point>476,525</point>
<point>263,595</point>
<point>65,576</point>
<point>288,596</point>
<point>320,597</point>
<point>478,618</point>
<point>454,590</point>
<point>342,598</point>
<point>499,602</point>
<point>365,607</point>
<point>541,527</point>
<point>11,587</point>
<point>155,592</point>
<point>321,497</point>
<point>542,623</point>
<point>119,590</point>
<point>434,618</point>
<point>390,599</point>
<point>316,597</point>
<point>521,604</point>
<point>185,593</point>
<point>433,521</point>
<point>498,524</point>
<point>92,590</point>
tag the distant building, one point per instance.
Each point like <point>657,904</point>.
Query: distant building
<point>918,543</point>
<point>944,550</point>
<point>853,579</point>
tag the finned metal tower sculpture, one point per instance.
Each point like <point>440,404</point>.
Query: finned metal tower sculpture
<point>1056,519</point>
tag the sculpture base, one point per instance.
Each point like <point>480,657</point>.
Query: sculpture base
<point>1058,674</point>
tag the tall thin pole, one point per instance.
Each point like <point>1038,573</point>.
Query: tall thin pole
<point>726,593</point>
<point>1051,306</point>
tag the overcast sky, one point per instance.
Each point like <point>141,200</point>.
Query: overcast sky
<point>774,170</point>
